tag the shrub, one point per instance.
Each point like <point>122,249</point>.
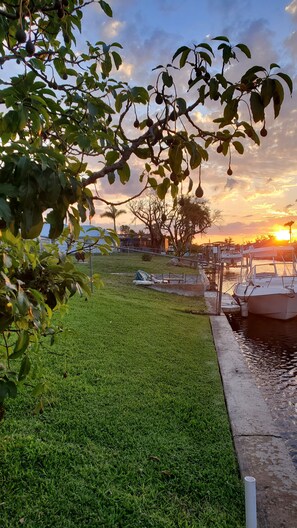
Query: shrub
<point>147,257</point>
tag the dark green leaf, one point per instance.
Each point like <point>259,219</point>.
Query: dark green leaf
<point>205,57</point>
<point>251,133</point>
<point>83,141</point>
<point>257,107</point>
<point>222,80</point>
<point>230,111</point>
<point>56,221</point>
<point>139,95</point>
<point>195,159</point>
<point>179,51</point>
<point>163,188</point>
<point>213,88</point>
<point>227,53</point>
<point>228,94</point>
<point>205,46</point>
<point>174,190</point>
<point>266,91</point>
<point>202,93</point>
<point>238,146</point>
<point>182,105</point>
<point>37,64</point>
<point>32,223</point>
<point>244,49</point>
<point>167,79</point>
<point>117,59</point>
<point>124,173</point>
<point>225,39</point>
<point>60,67</point>
<point>12,389</point>
<point>24,368</point>
<point>7,189</point>
<point>274,65</point>
<point>21,345</point>
<point>143,153</point>
<point>250,74</point>
<point>111,157</point>
<point>278,96</point>
<point>153,182</point>
<point>175,158</point>
<point>111,177</point>
<point>225,146</point>
<point>5,211</point>
<point>287,79</point>
<point>183,58</point>
<point>106,8</point>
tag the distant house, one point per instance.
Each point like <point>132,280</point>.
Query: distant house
<point>142,242</point>
<point>134,240</point>
<point>85,230</point>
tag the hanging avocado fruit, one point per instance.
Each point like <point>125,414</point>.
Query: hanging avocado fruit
<point>163,217</point>
<point>199,192</point>
<point>21,35</point>
<point>30,48</point>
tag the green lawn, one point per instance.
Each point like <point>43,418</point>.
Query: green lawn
<point>135,432</point>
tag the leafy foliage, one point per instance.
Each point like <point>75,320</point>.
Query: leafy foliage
<point>64,106</point>
<point>191,217</point>
<point>36,281</point>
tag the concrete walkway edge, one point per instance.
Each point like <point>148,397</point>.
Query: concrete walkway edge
<point>260,449</point>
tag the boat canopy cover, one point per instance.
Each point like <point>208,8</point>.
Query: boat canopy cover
<point>272,251</point>
<point>142,276</point>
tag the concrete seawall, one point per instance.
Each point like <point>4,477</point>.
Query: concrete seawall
<point>260,449</point>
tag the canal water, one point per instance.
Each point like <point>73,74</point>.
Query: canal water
<point>270,350</point>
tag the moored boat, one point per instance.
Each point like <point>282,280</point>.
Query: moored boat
<point>269,289</point>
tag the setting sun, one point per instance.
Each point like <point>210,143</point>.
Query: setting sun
<point>282,234</point>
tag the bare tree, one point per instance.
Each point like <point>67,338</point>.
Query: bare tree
<point>151,211</point>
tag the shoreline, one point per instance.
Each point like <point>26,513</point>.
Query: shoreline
<point>260,449</point>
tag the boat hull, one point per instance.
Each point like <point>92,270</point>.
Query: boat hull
<point>275,304</point>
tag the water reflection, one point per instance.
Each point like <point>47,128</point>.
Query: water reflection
<point>270,349</point>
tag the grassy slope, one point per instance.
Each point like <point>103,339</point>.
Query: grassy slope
<point>137,433</point>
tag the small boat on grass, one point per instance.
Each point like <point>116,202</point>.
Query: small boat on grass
<point>268,289</point>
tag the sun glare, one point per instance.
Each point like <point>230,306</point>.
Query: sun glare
<point>282,234</point>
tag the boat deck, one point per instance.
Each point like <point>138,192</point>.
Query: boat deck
<point>228,305</point>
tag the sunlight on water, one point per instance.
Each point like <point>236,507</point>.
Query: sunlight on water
<point>270,349</point>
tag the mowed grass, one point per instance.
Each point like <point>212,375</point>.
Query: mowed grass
<point>136,434</point>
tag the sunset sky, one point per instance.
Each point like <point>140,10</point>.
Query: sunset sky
<point>261,195</point>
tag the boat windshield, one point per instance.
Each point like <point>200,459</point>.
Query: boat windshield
<point>270,270</point>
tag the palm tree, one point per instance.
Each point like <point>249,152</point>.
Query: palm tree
<point>113,213</point>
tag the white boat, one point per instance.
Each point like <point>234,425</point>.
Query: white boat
<point>269,289</point>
